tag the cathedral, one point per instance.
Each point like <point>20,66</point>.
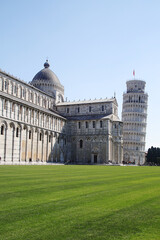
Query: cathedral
<point>37,126</point>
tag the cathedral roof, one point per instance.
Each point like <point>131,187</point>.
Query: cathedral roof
<point>46,75</point>
<point>106,100</point>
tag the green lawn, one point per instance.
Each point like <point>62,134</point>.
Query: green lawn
<point>79,202</point>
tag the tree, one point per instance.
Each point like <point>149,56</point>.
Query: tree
<point>153,156</point>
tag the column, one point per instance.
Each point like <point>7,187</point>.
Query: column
<point>13,143</point>
<point>32,142</point>
<point>37,146</point>
<point>5,143</point>
<point>42,146</point>
<point>20,137</point>
<point>47,149</point>
<point>26,145</point>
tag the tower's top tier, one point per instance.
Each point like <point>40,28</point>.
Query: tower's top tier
<point>136,86</point>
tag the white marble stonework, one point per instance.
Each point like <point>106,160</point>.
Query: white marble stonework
<point>37,126</point>
<point>134,117</point>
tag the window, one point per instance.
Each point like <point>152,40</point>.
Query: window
<point>35,98</point>
<point>86,124</point>
<point>5,85</point>
<point>26,112</point>
<point>67,110</point>
<point>40,137</point>
<point>20,110</point>
<point>31,97</point>
<point>5,104</point>
<point>29,134</point>
<point>81,143</point>
<point>11,88</point>
<point>47,122</point>
<point>28,95</point>
<point>90,108</point>
<point>13,106</point>
<point>49,138</point>
<point>44,103</point>
<point>79,125</point>
<point>32,114</point>
<point>78,109</point>
<point>15,89</point>
<point>2,130</point>
<point>101,124</point>
<point>20,92</point>
<point>17,132</point>
<point>94,124</point>
<point>102,108</point>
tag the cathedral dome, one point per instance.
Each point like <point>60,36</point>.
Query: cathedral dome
<point>48,82</point>
<point>46,75</point>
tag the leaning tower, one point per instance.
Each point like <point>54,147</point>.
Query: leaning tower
<point>134,117</point>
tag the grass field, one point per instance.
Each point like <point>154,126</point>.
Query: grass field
<point>79,202</point>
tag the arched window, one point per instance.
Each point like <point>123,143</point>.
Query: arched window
<point>11,88</point>
<point>13,106</point>
<point>40,137</point>
<point>31,97</point>
<point>20,92</point>
<point>35,98</point>
<point>5,104</point>
<point>44,103</point>
<point>30,134</point>
<point>28,95</point>
<point>15,89</point>
<point>2,130</point>
<point>24,93</point>
<point>81,143</point>
<point>5,85</point>
<point>20,109</point>
<point>32,114</point>
<point>26,112</point>
<point>17,132</point>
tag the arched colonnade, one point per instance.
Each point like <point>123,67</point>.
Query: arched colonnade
<point>24,143</point>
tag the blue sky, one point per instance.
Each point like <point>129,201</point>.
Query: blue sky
<point>92,46</point>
